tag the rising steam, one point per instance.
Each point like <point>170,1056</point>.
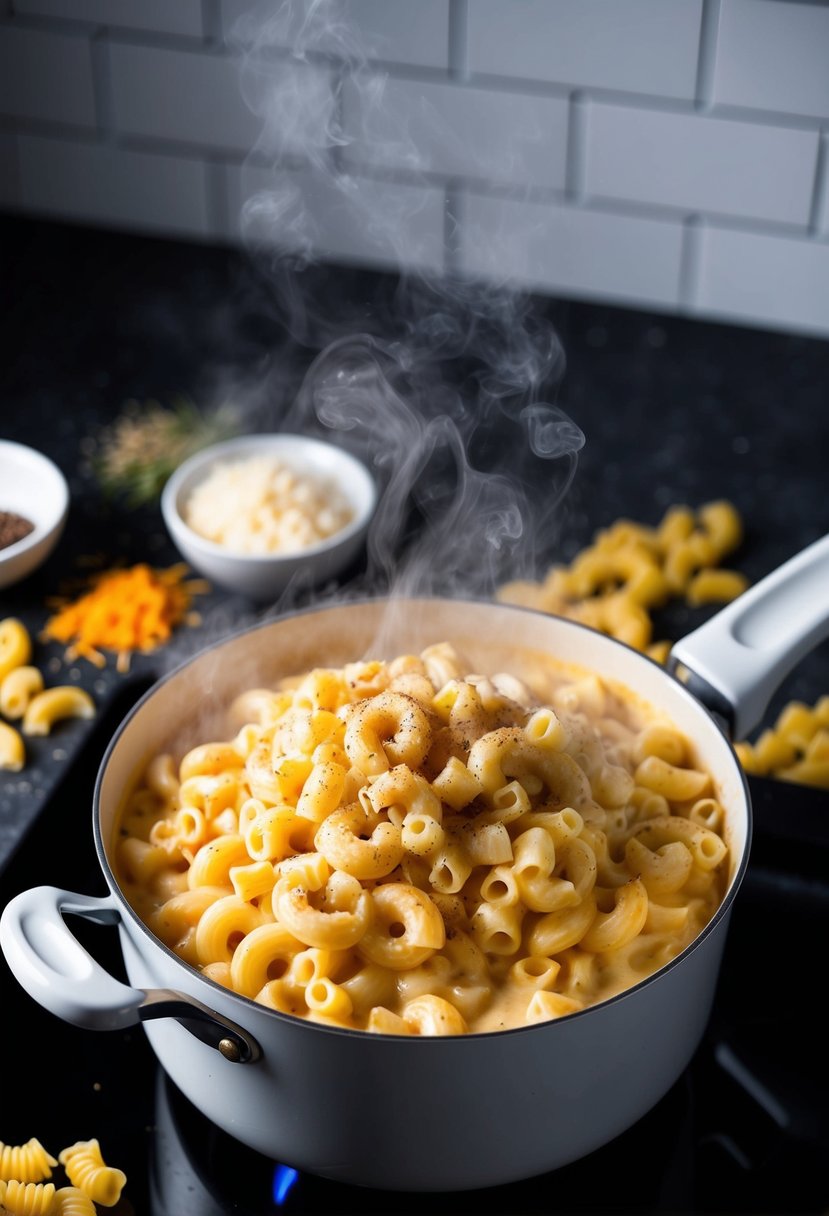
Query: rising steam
<point>443,384</point>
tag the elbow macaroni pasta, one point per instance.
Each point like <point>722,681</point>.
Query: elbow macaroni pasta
<point>407,847</point>
<point>630,569</point>
<point>794,748</point>
<point>23,696</point>
<point>12,748</point>
<point>52,704</point>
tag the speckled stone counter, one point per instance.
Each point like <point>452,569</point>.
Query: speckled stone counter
<point>672,411</point>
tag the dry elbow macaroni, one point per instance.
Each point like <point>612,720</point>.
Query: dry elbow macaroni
<point>794,748</point>
<point>263,505</point>
<point>409,848</point>
<point>630,569</point>
<point>24,698</point>
<point>25,1170</point>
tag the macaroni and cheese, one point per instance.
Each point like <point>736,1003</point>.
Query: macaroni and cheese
<point>408,847</point>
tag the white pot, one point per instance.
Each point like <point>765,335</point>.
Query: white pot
<point>386,1111</point>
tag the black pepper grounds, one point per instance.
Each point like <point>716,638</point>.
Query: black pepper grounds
<point>13,527</point>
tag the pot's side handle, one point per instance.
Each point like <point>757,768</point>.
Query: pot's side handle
<point>737,660</point>
<point>50,963</point>
<point>54,968</point>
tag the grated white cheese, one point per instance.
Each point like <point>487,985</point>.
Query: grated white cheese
<point>262,505</point>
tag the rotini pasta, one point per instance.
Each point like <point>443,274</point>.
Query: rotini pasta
<point>24,1190</point>
<point>70,1201</point>
<point>27,1198</point>
<point>29,1162</point>
<point>88,1172</point>
<point>464,856</point>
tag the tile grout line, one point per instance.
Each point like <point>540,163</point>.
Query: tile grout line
<point>821,188</point>
<point>707,56</point>
<point>102,85</point>
<point>689,263</point>
<point>453,209</point>
<point>575,156</point>
<point>212,22</point>
<point>216,198</point>
<point>458,35</point>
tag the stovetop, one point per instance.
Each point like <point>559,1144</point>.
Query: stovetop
<point>674,410</point>
<point>745,1129</point>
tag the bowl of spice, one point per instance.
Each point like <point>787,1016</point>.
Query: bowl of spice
<point>255,513</point>
<point>34,503</point>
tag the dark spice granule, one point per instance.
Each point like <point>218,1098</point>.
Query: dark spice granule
<point>13,528</point>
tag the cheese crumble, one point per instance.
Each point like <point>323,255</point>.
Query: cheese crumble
<point>261,505</point>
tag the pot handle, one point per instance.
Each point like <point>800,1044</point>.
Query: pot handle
<point>50,963</point>
<point>736,661</point>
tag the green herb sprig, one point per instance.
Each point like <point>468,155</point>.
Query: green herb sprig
<point>132,457</point>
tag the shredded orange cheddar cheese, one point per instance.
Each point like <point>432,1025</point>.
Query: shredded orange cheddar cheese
<point>125,610</point>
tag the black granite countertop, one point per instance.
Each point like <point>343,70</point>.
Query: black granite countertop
<point>672,410</point>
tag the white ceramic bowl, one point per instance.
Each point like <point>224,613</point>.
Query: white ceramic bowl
<point>33,486</point>
<point>264,576</point>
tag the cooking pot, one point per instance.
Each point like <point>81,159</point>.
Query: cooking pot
<point>422,1113</point>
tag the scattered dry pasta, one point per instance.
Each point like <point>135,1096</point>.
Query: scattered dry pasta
<point>24,1190</point>
<point>27,1198</point>
<point>53,704</point>
<point>795,748</point>
<point>15,645</point>
<point>408,847</point>
<point>12,749</point>
<point>70,1201</point>
<point>23,696</point>
<point>27,1162</point>
<point>630,569</point>
<point>125,610</point>
<point>88,1172</point>
<point>17,688</point>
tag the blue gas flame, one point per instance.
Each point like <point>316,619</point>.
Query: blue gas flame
<point>284,1177</point>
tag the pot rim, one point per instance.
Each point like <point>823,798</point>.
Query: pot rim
<point>247,1002</point>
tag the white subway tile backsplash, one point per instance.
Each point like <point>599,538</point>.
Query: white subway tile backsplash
<point>402,32</point>
<point>492,101</point>
<point>46,76</point>
<point>346,219</point>
<point>113,187</point>
<point>773,56</point>
<point>757,278</point>
<point>194,97</point>
<point>503,138</point>
<point>642,46</point>
<point>699,163</point>
<point>182,17</point>
<point>280,105</point>
<point>571,251</point>
<point>9,176</point>
<point>395,31</point>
